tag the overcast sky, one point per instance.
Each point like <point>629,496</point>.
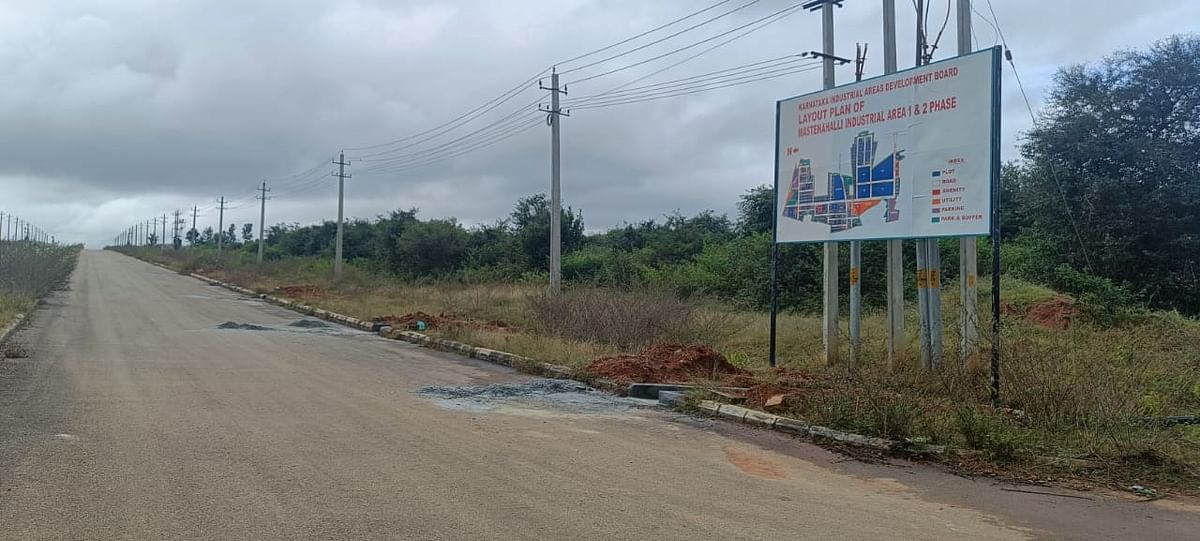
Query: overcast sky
<point>114,111</point>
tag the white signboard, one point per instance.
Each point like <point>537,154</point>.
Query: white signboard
<point>906,155</point>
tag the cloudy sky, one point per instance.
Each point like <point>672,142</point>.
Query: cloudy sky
<point>114,111</point>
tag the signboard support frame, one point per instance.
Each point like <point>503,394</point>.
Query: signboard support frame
<point>895,247</point>
<point>829,327</point>
<point>968,256</point>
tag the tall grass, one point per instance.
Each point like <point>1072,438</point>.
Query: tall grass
<point>28,271</point>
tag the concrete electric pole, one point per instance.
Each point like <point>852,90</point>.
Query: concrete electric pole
<point>342,176</point>
<point>220,224</point>
<point>262,218</point>
<point>968,262</point>
<point>829,328</point>
<point>553,117</point>
<point>895,248</point>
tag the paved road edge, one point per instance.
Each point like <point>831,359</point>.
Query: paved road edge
<point>11,328</point>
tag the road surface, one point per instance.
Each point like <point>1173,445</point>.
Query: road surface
<point>135,417</point>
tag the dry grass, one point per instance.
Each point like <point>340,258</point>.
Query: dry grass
<point>629,320</point>
<point>29,271</point>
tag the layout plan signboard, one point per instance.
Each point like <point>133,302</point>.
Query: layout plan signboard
<point>906,155</point>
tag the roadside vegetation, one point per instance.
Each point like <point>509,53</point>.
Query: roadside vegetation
<point>28,271</point>
<point>1100,291</point>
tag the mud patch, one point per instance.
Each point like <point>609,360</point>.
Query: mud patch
<point>754,465</point>
<point>13,350</point>
<point>309,324</point>
<point>1057,313</point>
<point>233,325</point>
<point>667,363</point>
<point>537,398</point>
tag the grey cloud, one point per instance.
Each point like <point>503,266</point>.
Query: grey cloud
<point>118,110</point>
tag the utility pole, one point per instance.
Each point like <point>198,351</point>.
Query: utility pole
<point>220,225</point>
<point>163,244</point>
<point>194,233</point>
<point>860,59</point>
<point>337,249</point>
<point>175,231</point>
<point>895,248</point>
<point>829,329</point>
<point>262,219</point>
<point>968,263</point>
<point>553,117</point>
<point>929,280</point>
<point>922,245</point>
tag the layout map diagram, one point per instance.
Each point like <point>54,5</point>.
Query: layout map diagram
<point>847,196</point>
<point>905,155</point>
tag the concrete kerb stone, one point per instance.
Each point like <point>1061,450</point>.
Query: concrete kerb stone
<point>11,328</point>
<point>800,428</point>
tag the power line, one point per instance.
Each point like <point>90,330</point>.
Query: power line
<point>691,90</point>
<point>448,154</point>
<point>703,51</point>
<point>756,68</point>
<point>792,8</point>
<point>995,31</point>
<point>459,150</point>
<point>453,123</point>
<point>646,33</point>
<point>660,40</point>
<point>490,105</point>
<point>505,119</point>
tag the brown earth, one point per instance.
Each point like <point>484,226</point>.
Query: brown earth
<point>787,388</point>
<point>1055,313</point>
<point>667,363</point>
<point>301,291</point>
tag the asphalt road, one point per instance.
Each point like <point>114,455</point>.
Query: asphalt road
<point>135,417</point>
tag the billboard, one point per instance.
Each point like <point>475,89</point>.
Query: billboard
<point>905,155</point>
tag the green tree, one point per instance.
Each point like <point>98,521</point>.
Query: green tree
<point>754,210</point>
<point>530,221</point>
<point>432,248</point>
<point>387,232</point>
<point>1113,183</point>
<point>247,232</point>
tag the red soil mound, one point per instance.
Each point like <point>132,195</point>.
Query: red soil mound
<point>1055,313</point>
<point>666,363</point>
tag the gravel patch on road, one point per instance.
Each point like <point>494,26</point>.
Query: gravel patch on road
<point>309,324</point>
<point>533,397</point>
